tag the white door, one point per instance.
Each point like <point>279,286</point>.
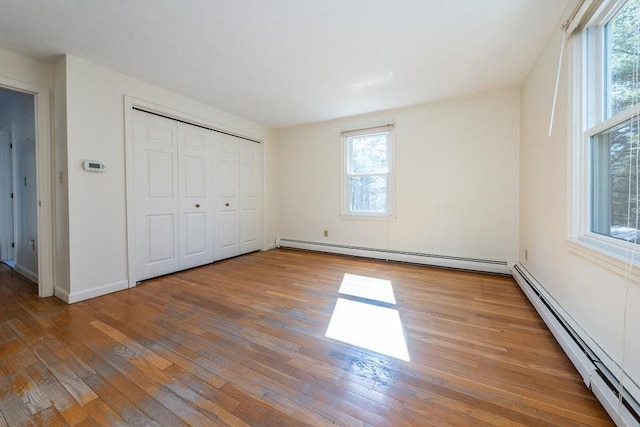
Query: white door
<point>6,198</point>
<point>156,195</point>
<point>226,184</point>
<point>249,215</point>
<point>195,153</point>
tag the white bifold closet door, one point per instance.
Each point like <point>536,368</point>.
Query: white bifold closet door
<point>196,195</point>
<point>236,179</point>
<point>174,213</point>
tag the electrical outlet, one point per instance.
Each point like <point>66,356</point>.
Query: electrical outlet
<point>326,233</point>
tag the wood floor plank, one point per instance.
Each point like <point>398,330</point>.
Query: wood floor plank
<point>242,342</point>
<point>50,417</point>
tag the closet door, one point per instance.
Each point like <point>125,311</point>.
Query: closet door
<point>226,185</point>
<point>249,213</point>
<point>195,152</point>
<point>156,195</point>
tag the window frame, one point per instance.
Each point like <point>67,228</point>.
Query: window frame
<point>345,187</point>
<point>588,58</point>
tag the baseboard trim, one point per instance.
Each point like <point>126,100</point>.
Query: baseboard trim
<point>26,273</point>
<point>435,260</point>
<point>73,297</point>
<point>61,294</point>
<point>582,351</point>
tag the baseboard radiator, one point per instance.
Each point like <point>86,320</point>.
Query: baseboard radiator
<point>585,355</point>
<point>460,263</point>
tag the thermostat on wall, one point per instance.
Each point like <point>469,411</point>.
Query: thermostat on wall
<point>94,166</point>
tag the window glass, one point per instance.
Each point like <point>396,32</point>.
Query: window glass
<point>622,38</point>
<point>368,193</point>
<point>615,191</point>
<point>369,153</point>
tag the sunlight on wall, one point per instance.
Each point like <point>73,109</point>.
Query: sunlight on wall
<point>369,325</point>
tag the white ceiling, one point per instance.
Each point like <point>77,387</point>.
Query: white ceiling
<point>287,62</point>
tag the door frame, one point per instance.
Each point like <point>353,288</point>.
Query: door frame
<point>44,180</point>
<point>129,103</point>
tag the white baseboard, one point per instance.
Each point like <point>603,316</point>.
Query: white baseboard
<point>26,273</point>
<point>61,294</point>
<point>73,297</point>
<point>460,263</point>
<point>583,352</point>
<point>269,246</point>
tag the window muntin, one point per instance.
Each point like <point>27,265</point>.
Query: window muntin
<point>612,93</point>
<point>368,174</point>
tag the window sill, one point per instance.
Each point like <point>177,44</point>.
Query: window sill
<point>369,217</point>
<point>623,262</point>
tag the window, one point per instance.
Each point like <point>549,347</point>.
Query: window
<point>613,93</point>
<point>368,166</point>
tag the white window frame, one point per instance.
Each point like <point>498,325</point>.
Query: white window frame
<point>345,188</point>
<point>589,120</point>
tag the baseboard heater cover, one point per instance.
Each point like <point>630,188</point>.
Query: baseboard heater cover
<point>594,373</point>
<point>445,261</point>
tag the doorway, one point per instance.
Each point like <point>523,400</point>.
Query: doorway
<point>18,183</point>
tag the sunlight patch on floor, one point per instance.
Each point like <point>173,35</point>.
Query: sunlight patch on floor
<point>368,326</point>
<point>367,287</point>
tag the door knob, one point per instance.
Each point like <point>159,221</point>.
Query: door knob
<point>197,205</point>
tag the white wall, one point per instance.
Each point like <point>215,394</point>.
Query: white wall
<point>457,179</point>
<point>95,130</point>
<point>593,295</point>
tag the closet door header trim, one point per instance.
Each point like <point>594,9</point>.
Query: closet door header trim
<point>197,125</point>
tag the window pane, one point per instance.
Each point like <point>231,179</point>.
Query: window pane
<point>369,153</point>
<point>615,191</point>
<point>623,48</point>
<point>368,194</point>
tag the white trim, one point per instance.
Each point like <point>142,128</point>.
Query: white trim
<point>44,177</point>
<point>23,271</point>
<point>62,294</point>
<point>73,297</point>
<point>436,260</point>
<point>618,119</point>
<point>368,130</point>
<point>368,217</point>
<point>598,254</point>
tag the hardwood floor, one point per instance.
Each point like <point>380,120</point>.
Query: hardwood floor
<point>242,342</point>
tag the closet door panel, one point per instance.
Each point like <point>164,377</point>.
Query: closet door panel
<point>226,184</point>
<point>156,195</point>
<point>195,203</point>
<point>249,204</point>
